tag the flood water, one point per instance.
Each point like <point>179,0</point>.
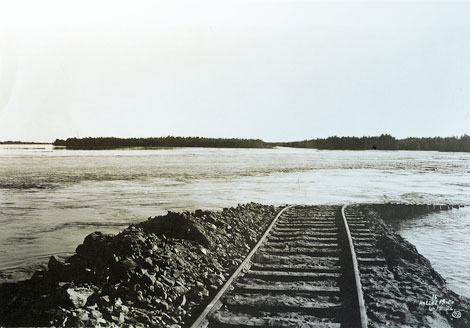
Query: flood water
<point>50,199</point>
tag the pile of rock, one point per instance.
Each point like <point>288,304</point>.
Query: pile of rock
<point>406,291</point>
<point>160,272</point>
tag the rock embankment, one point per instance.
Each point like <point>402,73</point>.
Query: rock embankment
<point>160,272</point>
<point>406,291</point>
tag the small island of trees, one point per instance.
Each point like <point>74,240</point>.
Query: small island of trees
<point>170,141</point>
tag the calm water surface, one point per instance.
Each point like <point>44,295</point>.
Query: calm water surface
<point>50,199</point>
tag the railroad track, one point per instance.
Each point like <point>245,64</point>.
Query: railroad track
<point>303,272</point>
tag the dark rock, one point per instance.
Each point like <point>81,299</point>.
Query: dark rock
<point>56,266</point>
<point>200,213</point>
<point>122,271</point>
<point>93,299</point>
<point>176,225</point>
<point>164,306</point>
<point>148,279</point>
<point>94,246</point>
<point>180,301</point>
<point>148,263</point>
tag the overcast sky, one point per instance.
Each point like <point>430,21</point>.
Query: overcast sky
<point>274,69</point>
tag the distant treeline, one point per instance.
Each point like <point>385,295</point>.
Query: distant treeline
<point>385,142</point>
<point>110,143</point>
<point>11,142</point>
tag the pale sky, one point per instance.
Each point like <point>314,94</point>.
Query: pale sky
<point>270,69</point>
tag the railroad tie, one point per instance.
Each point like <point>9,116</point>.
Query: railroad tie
<point>298,275</point>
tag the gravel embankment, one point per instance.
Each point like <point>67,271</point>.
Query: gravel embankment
<point>158,273</point>
<point>406,291</point>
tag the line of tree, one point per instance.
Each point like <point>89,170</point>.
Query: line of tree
<point>170,141</point>
<point>382,142</point>
<point>385,142</point>
<point>14,142</point>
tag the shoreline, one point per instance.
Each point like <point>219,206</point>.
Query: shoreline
<point>158,273</point>
<point>269,145</point>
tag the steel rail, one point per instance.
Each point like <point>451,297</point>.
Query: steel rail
<point>199,321</point>
<point>355,268</point>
